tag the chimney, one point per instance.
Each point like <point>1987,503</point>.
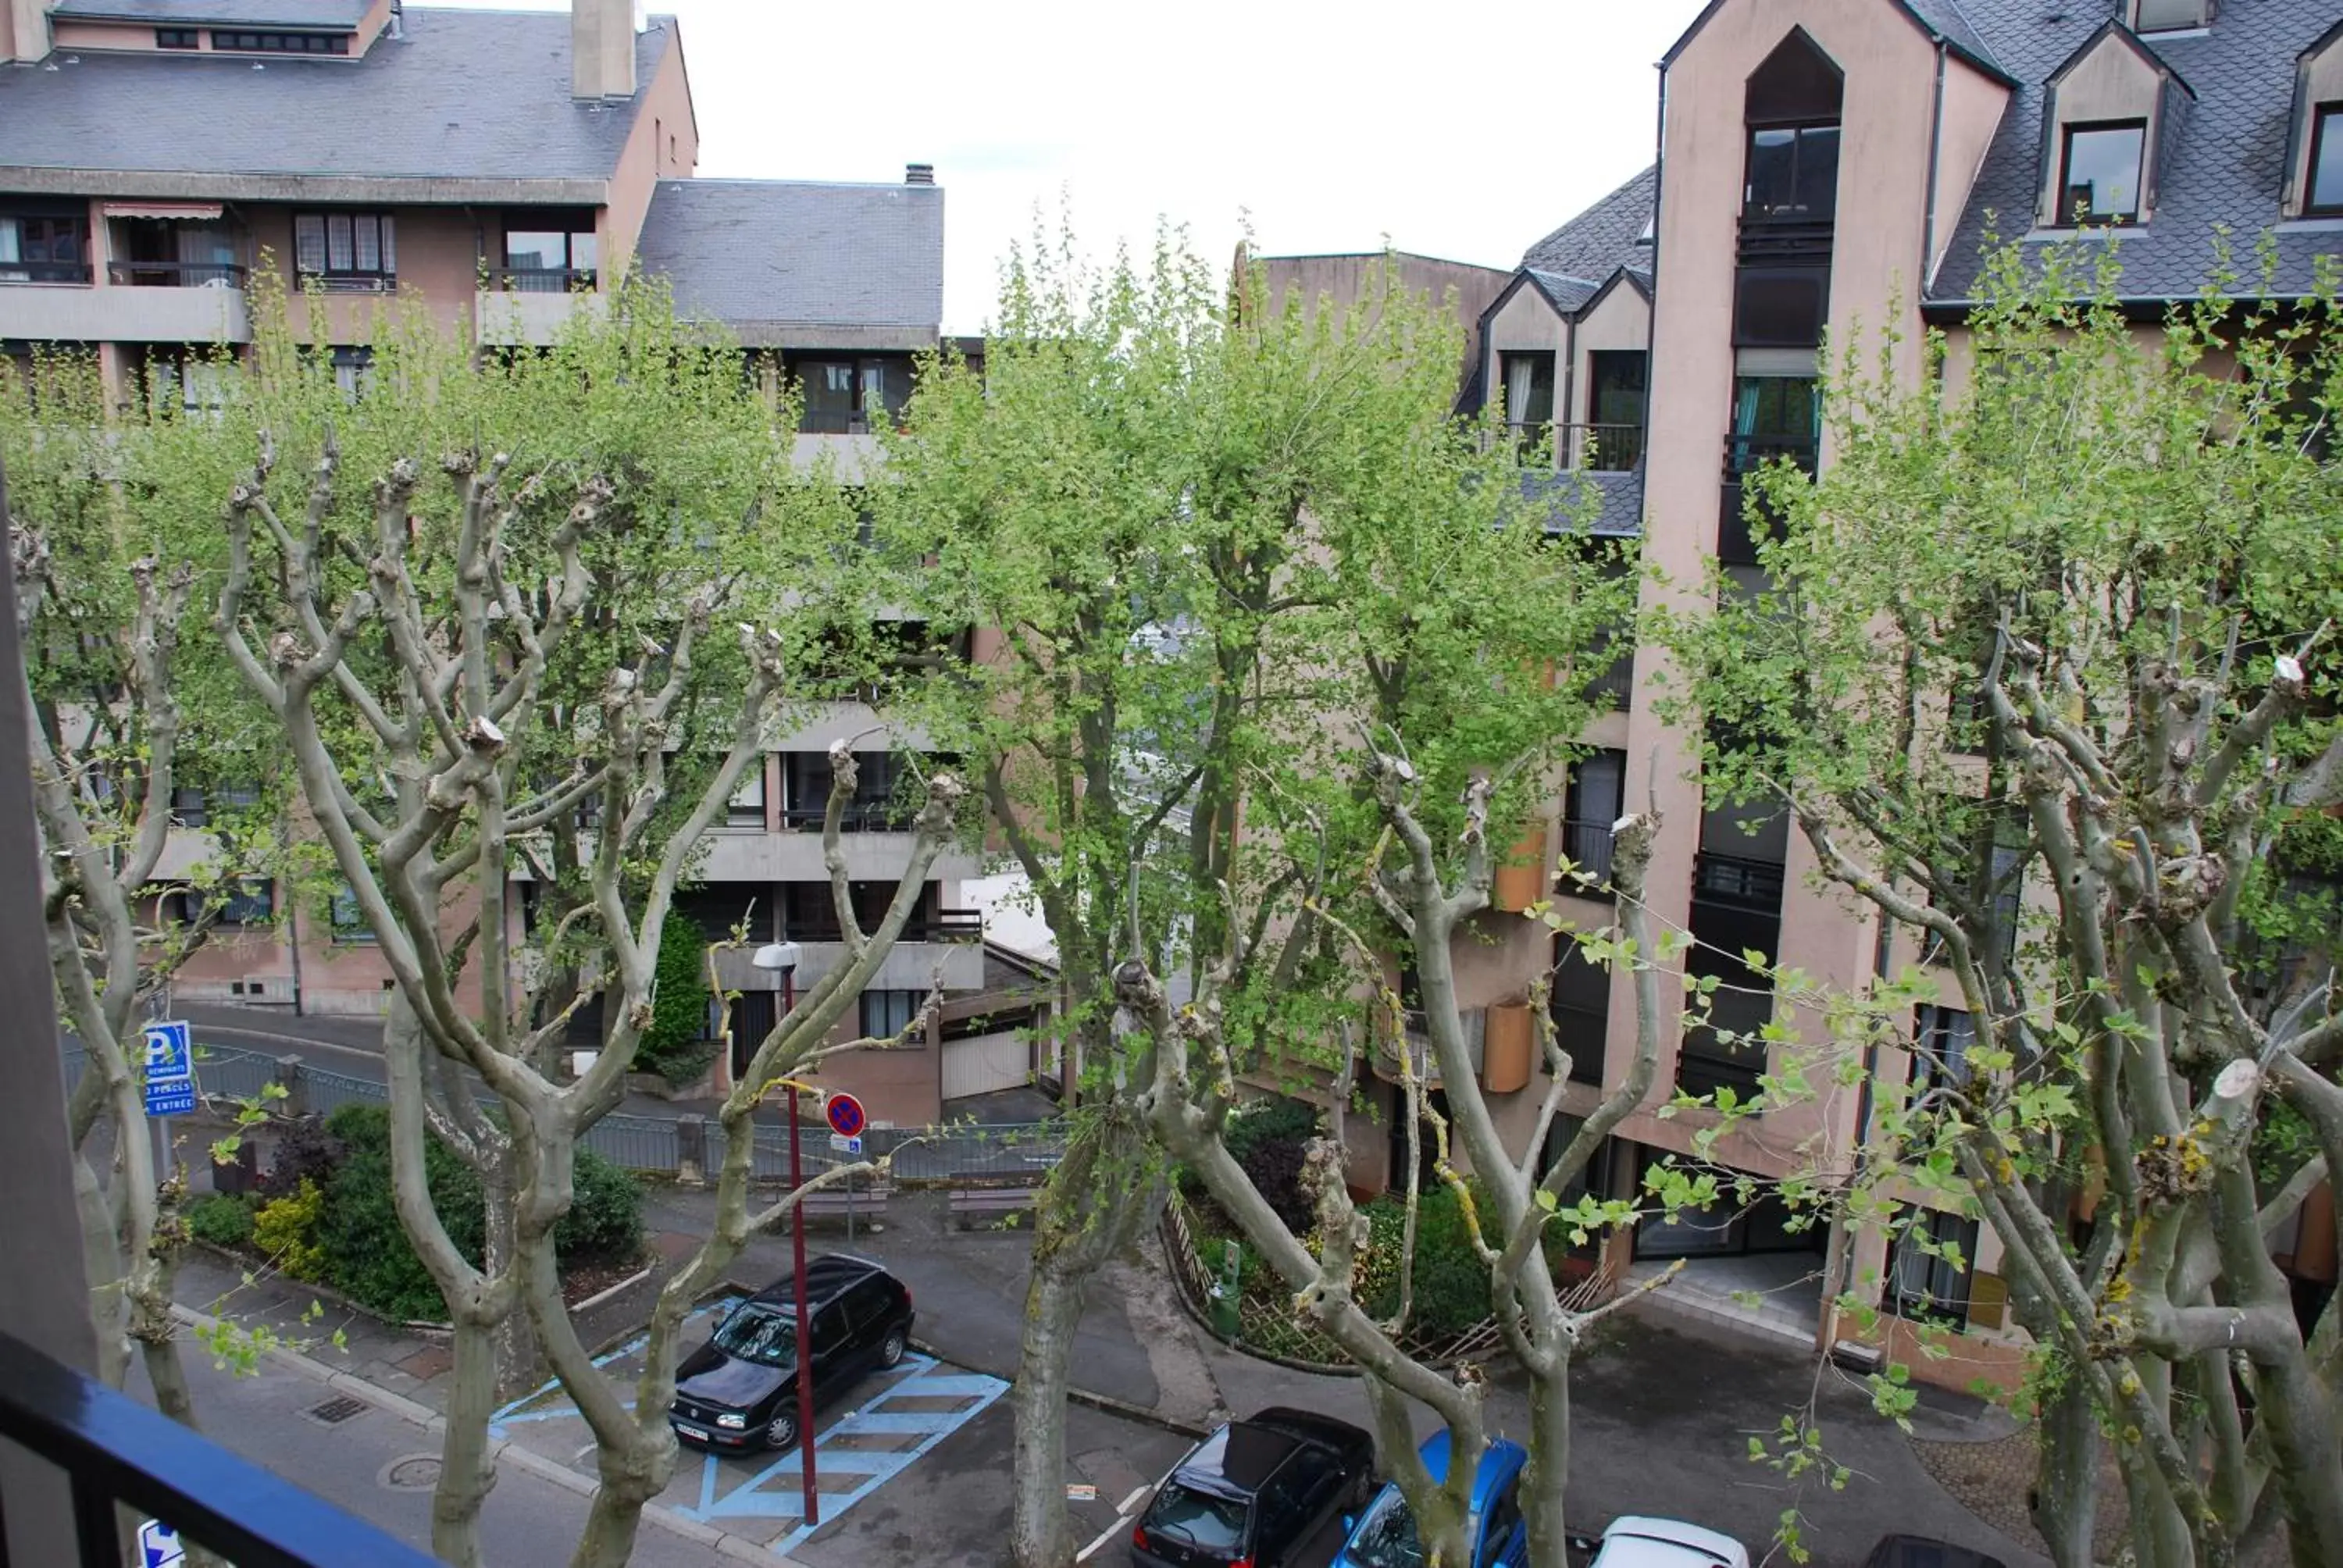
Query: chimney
<point>23,29</point>
<point>919,174</point>
<point>601,48</point>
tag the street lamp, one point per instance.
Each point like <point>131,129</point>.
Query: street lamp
<point>784,957</point>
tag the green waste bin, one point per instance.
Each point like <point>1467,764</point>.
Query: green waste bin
<point>1225,1294</point>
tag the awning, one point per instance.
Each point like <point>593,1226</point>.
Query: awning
<point>192,211</point>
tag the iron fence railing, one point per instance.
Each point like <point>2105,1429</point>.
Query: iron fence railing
<point>176,274</point>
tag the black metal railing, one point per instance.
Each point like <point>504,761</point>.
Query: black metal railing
<point>1711,1067</point>
<point>542,280</point>
<point>1778,236</point>
<point>1733,879</point>
<point>1736,533</point>
<point>45,272</point>
<point>1588,845</point>
<point>351,282</point>
<point>116,1453</point>
<point>860,816</point>
<point>1602,448</point>
<point>1616,682</point>
<point>176,274</point>
<point>943,925</point>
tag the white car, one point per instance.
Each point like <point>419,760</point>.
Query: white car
<point>1635,1542</point>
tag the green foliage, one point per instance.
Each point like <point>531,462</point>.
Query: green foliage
<point>286,1231</point>
<point>674,1046</point>
<point>221,1219</point>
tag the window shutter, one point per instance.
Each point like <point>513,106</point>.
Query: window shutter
<point>309,243</point>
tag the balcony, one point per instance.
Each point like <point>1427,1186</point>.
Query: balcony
<point>348,282</point>
<point>531,305</point>
<point>795,857</point>
<point>1792,236</point>
<point>149,302</point>
<point>176,274</point>
<point>68,272</point>
<point>1737,882</point>
<point>1736,538</point>
<point>1602,448</point>
<point>948,946</point>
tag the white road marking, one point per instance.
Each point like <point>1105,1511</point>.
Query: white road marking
<point>1131,1501</point>
<point>1125,1515</point>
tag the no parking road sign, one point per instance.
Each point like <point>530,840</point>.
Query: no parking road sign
<point>845,1113</point>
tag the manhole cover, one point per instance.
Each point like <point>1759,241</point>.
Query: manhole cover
<point>335,1410</point>
<point>416,1472</point>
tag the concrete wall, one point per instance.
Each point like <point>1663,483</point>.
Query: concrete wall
<point>1526,323</point>
<point>1970,113</point>
<point>663,144</point>
<point>1464,289</point>
<point>438,250</point>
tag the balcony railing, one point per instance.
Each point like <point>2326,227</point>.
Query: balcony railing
<point>1713,1067</point>
<point>114,1451</point>
<point>176,274</point>
<point>1588,845</point>
<point>542,280</point>
<point>860,817</point>
<point>1732,880</point>
<point>1604,448</point>
<point>1420,1056</point>
<point>45,272</point>
<point>943,925</point>
<point>351,282</point>
<point>1736,539</point>
<point>1790,235</point>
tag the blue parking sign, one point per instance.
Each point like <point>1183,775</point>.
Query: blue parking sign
<point>158,1546</point>
<point>170,1070</point>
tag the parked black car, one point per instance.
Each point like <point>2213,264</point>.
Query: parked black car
<point>1255,1490</point>
<point>740,1390</point>
<point>1914,1552</point>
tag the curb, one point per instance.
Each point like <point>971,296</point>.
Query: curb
<point>528,1460</point>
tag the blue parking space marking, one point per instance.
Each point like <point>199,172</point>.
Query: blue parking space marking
<point>516,1413</point>
<point>772,1493</point>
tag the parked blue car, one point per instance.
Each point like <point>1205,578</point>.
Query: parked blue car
<point>1384,1535</point>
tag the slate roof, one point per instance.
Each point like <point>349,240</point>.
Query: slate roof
<point>1605,504</point>
<point>2225,165</point>
<point>1567,293</point>
<point>465,94</point>
<point>797,251</point>
<point>1602,239</point>
<point>1945,19</point>
<point>340,15</point>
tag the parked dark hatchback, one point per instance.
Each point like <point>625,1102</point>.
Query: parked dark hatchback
<point>740,1390</point>
<point>1255,1490</point>
<point>1914,1552</point>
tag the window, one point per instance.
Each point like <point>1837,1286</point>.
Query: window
<point>1941,1037</point>
<point>353,370</point>
<point>1793,173</point>
<point>841,394</point>
<point>1780,306</point>
<point>804,776</point>
<point>2170,16</point>
<point>1933,1287</point>
<point>550,251</point>
<point>45,248</point>
<point>888,1013</point>
<point>175,38</point>
<point>191,384</point>
<point>353,251</point>
<point>1578,998</point>
<point>1774,416</point>
<point>1528,380</point>
<point>2098,177</point>
<point>747,807</point>
<point>349,922</point>
<point>1592,800</point>
<point>2323,192</point>
<point>281,42</point>
<point>247,903</point>
<point>1614,408</point>
<point>1199,1522</point>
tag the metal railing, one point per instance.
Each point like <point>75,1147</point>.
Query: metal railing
<point>351,282</point>
<point>541,279</point>
<point>176,274</point>
<point>1736,533</point>
<point>1616,682</point>
<point>635,1142</point>
<point>943,925</point>
<point>1732,880</point>
<point>45,272</point>
<point>118,1453</point>
<point>860,816</point>
<point>1602,448</point>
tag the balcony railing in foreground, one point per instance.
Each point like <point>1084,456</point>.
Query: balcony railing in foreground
<point>176,274</point>
<point>114,1450</point>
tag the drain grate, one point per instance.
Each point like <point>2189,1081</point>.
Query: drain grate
<point>335,1410</point>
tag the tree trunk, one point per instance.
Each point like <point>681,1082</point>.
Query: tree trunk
<point>1040,1535</point>
<point>1548,1474</point>
<point>517,1365</point>
<point>467,1468</point>
<point>2064,1499</point>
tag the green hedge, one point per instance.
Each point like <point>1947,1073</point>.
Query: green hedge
<point>364,1251</point>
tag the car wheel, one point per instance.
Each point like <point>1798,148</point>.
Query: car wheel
<point>892,1348</point>
<point>781,1432</point>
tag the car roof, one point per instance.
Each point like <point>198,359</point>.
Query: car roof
<point>1239,1459</point>
<point>1636,1541</point>
<point>827,1278</point>
<point>1500,1461</point>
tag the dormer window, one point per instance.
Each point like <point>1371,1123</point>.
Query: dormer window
<point>2323,193</point>
<point>2170,16</point>
<point>2099,172</point>
<point>2109,111</point>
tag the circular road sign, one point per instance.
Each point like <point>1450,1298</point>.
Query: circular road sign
<point>845,1113</point>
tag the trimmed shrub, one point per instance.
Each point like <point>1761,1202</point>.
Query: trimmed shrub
<point>1274,1167</point>
<point>674,1046</point>
<point>220,1219</point>
<point>1277,1120</point>
<point>286,1229</point>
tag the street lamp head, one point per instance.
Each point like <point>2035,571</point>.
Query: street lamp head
<point>777,956</point>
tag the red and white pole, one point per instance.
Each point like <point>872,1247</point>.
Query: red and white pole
<point>797,1247</point>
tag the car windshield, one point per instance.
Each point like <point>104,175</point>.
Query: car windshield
<point>1198,1518</point>
<point>759,1334</point>
<point>1386,1537</point>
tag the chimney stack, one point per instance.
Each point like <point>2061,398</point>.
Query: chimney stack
<point>601,48</point>
<point>25,29</point>
<point>919,174</point>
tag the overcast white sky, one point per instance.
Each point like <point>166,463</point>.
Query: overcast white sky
<point>1457,131</point>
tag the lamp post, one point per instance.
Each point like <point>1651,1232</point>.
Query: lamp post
<point>784,957</point>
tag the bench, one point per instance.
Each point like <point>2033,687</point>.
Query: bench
<point>991,1204</point>
<point>858,1203</point>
